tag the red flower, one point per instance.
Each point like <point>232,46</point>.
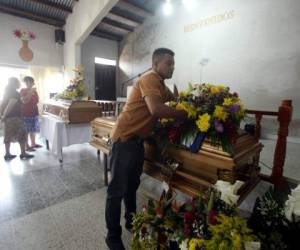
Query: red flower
<point>174,132</point>
<point>32,35</point>
<point>212,217</point>
<point>231,131</point>
<point>175,207</point>
<point>18,33</point>
<point>189,217</point>
<point>235,94</point>
<point>159,212</point>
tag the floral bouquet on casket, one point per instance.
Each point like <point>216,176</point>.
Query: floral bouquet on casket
<point>76,89</point>
<point>213,112</point>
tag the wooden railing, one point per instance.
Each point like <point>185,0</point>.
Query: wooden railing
<point>110,108</point>
<point>284,116</point>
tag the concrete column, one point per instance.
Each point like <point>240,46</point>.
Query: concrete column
<point>86,16</point>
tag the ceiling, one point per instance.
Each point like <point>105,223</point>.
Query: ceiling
<point>122,19</point>
<point>53,12</point>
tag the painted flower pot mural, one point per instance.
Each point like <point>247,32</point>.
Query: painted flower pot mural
<point>25,52</point>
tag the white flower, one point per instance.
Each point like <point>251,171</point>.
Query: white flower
<point>292,205</point>
<point>165,186</point>
<point>184,245</point>
<point>252,245</point>
<point>229,191</point>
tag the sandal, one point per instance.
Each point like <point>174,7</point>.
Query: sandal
<point>26,156</point>
<point>30,149</point>
<point>9,157</point>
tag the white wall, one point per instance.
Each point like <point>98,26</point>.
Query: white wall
<point>46,53</point>
<point>254,48</point>
<point>86,16</point>
<point>96,47</point>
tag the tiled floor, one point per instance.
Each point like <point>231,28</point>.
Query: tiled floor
<point>45,205</point>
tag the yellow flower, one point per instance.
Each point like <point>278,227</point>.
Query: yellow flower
<point>227,101</point>
<point>241,113</point>
<point>166,120</point>
<point>180,106</point>
<point>194,243</point>
<point>190,109</point>
<point>203,122</point>
<point>221,87</point>
<point>220,113</point>
<point>184,94</point>
<point>172,104</point>
<point>214,90</point>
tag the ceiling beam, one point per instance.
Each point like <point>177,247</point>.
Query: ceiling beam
<point>54,5</point>
<point>117,24</point>
<point>25,14</point>
<point>113,29</point>
<point>121,19</point>
<point>104,34</point>
<point>133,8</point>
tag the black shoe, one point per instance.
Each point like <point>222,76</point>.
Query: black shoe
<point>9,157</point>
<point>30,149</point>
<point>114,244</point>
<point>26,156</point>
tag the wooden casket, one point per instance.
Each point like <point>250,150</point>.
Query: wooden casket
<point>197,171</point>
<point>73,111</point>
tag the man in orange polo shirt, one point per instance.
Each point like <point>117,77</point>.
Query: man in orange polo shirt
<point>144,106</point>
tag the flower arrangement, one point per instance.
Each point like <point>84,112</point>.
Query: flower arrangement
<point>213,112</point>
<point>292,205</point>
<point>24,35</point>
<point>206,222</point>
<point>76,89</point>
<point>275,221</point>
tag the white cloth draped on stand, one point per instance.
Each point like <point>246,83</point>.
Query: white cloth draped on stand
<point>61,134</point>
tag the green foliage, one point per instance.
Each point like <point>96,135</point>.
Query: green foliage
<point>268,222</point>
<point>229,234</point>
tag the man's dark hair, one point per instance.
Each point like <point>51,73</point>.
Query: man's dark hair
<point>28,79</point>
<point>160,52</point>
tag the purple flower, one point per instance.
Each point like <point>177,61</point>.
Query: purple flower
<point>218,126</point>
<point>235,107</point>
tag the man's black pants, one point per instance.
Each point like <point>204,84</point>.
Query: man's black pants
<point>126,165</point>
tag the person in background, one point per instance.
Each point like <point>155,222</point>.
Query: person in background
<point>10,112</point>
<point>30,112</point>
<point>143,107</point>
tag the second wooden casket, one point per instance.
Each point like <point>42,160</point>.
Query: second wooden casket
<point>197,171</point>
<point>74,111</point>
